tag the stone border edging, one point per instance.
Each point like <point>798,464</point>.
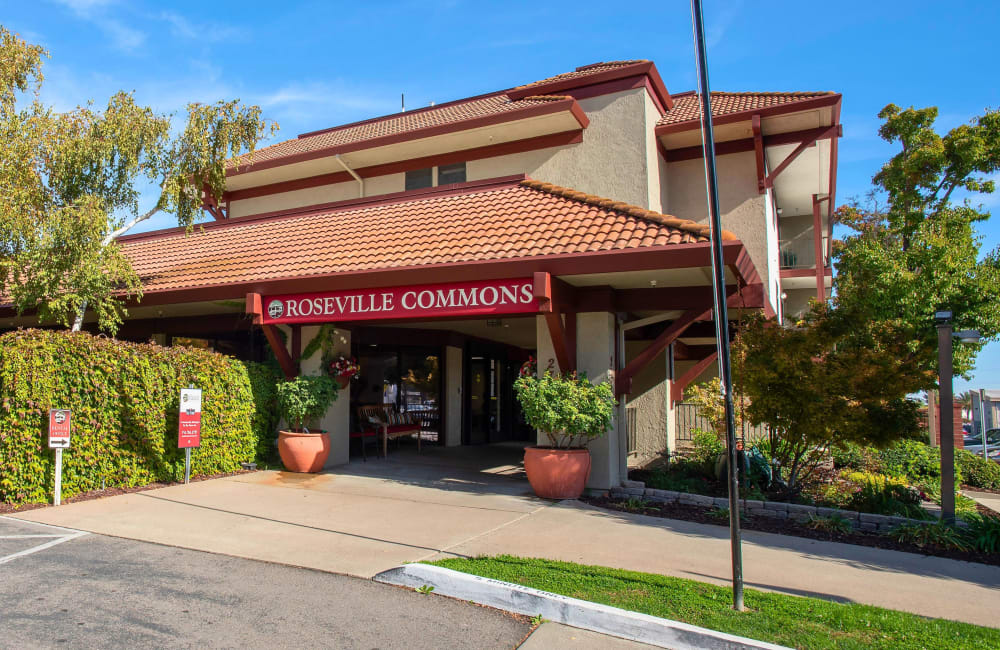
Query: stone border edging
<point>582,614</point>
<point>773,509</point>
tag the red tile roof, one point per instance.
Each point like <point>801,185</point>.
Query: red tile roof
<point>504,220</point>
<point>583,71</point>
<point>687,108</point>
<point>451,113</point>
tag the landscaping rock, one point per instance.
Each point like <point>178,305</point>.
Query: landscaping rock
<point>776,505</point>
<point>830,512</point>
<point>617,492</point>
<point>633,484</point>
<point>773,514</point>
<point>801,509</point>
<point>636,492</point>
<point>752,504</point>
<point>722,502</point>
<point>697,499</point>
<point>868,525</point>
<point>867,517</point>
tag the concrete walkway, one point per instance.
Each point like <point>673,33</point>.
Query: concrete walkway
<point>370,517</point>
<point>988,499</point>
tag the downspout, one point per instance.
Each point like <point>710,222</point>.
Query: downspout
<point>623,432</point>
<point>361,181</point>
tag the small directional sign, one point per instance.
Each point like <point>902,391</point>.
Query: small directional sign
<point>59,428</point>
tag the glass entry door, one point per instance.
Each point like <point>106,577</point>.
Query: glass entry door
<point>484,406</point>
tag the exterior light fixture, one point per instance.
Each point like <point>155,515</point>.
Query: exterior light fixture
<point>968,336</point>
<point>946,424</point>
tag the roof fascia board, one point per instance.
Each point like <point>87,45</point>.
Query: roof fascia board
<point>371,171</point>
<point>535,110</point>
<point>671,256</point>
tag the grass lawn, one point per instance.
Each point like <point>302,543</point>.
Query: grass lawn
<point>787,620</point>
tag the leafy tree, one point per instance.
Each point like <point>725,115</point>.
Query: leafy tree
<point>823,383</point>
<point>913,250</point>
<point>74,182</point>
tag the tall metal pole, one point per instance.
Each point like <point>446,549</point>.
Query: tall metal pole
<point>947,420</point>
<point>719,294</point>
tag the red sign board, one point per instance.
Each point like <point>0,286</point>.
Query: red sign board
<point>479,299</point>
<point>189,427</point>
<point>59,428</point>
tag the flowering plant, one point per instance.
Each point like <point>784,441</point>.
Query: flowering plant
<point>344,367</point>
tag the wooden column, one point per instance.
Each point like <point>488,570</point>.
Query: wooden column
<point>818,248</point>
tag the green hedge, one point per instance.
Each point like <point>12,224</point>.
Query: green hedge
<point>977,471</point>
<point>124,398</point>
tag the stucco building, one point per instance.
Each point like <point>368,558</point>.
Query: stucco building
<point>564,218</point>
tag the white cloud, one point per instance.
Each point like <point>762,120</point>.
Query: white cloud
<point>184,28</point>
<point>95,12</point>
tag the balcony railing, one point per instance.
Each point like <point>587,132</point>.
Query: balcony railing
<point>799,252</point>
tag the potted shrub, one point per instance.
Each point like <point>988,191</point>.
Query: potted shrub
<point>301,402</point>
<point>571,411</point>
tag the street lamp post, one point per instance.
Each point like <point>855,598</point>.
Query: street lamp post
<point>946,423</point>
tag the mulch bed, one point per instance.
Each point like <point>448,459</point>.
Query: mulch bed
<point>969,488</point>
<point>114,491</point>
<point>702,515</point>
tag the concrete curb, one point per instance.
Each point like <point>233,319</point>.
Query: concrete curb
<point>570,611</point>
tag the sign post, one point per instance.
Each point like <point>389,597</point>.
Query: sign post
<point>60,428</point>
<point>189,426</point>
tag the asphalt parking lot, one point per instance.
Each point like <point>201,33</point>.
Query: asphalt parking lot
<point>62,588</point>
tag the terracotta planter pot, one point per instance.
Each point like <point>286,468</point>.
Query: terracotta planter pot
<point>557,473</point>
<point>342,381</point>
<point>303,452</point>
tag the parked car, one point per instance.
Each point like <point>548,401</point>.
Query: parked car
<point>974,443</point>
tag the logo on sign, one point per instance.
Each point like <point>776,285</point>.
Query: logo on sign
<point>275,309</point>
<point>59,428</point>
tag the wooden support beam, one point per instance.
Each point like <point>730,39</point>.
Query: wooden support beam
<point>623,382</point>
<point>758,147</point>
<point>296,353</point>
<point>677,388</point>
<point>255,309</point>
<point>830,132</point>
<point>564,347</point>
<point>818,250</point>
<point>278,347</point>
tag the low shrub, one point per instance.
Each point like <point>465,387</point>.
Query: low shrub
<point>883,495</point>
<point>983,533</point>
<point>963,505</point>
<point>706,449</point>
<point>976,471</point>
<point>834,524</point>
<point>124,398</point>
<point>923,535</point>
<point>914,460</point>
<point>682,475</point>
<point>264,380</point>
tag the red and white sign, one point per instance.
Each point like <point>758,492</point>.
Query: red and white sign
<point>189,427</point>
<point>59,428</point>
<point>483,298</point>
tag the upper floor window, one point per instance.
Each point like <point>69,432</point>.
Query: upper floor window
<point>419,178</point>
<point>448,174</point>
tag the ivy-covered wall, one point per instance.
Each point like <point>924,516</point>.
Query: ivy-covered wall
<point>124,398</point>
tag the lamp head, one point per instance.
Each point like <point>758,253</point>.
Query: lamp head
<point>968,336</point>
<point>942,316</point>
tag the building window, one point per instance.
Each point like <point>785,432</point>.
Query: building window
<point>448,174</point>
<point>418,178</point>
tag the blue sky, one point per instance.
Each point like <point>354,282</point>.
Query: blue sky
<point>311,65</point>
